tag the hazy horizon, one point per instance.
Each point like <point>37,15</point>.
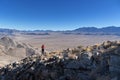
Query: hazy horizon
<point>59,30</point>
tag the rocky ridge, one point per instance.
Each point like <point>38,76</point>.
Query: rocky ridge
<point>9,46</point>
<point>11,50</point>
<point>97,62</point>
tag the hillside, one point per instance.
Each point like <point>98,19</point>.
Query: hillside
<point>97,62</point>
<point>11,50</point>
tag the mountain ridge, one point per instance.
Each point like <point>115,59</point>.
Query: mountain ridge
<point>94,29</point>
<point>114,28</point>
<point>110,30</point>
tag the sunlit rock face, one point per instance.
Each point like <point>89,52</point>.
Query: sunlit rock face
<point>12,50</point>
<point>11,47</point>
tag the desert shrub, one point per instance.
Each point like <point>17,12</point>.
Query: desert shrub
<point>79,47</point>
<point>75,51</point>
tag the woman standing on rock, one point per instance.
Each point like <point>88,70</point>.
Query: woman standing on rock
<point>42,49</point>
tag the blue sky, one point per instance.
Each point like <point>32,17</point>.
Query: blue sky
<point>58,14</point>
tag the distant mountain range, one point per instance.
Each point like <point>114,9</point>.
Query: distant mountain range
<point>111,30</point>
<point>94,29</point>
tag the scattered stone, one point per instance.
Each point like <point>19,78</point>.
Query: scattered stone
<point>98,62</point>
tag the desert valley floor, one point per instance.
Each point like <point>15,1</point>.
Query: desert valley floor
<point>57,41</point>
<point>53,43</point>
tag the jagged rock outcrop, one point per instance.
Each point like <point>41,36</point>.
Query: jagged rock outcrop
<point>98,62</point>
